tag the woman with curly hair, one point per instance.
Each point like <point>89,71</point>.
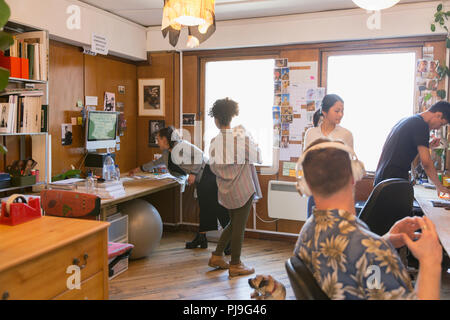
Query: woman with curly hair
<point>232,156</point>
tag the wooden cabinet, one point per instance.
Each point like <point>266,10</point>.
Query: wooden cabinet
<point>46,257</point>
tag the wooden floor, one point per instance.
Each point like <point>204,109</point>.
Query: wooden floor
<point>173,272</point>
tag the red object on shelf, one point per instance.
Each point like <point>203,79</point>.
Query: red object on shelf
<point>13,64</point>
<point>21,212</point>
<point>24,72</point>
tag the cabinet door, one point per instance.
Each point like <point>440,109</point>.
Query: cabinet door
<point>48,275</point>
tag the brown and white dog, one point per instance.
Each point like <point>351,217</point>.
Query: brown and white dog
<point>267,288</point>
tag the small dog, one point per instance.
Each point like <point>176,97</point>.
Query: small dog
<point>267,288</point>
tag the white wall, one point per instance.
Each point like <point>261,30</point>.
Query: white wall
<point>126,39</point>
<point>400,21</point>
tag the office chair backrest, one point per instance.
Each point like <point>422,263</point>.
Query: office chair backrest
<point>390,201</point>
<point>70,204</point>
<point>303,283</point>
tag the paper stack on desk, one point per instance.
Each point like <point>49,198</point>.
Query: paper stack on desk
<point>105,190</point>
<point>67,184</point>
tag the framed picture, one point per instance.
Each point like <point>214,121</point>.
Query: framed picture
<point>151,97</point>
<point>188,119</point>
<point>153,127</point>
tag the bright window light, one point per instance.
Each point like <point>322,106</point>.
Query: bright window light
<point>378,91</point>
<point>249,83</point>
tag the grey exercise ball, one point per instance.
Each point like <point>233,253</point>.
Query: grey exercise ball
<point>144,227</point>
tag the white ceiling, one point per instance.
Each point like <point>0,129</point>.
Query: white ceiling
<point>149,12</point>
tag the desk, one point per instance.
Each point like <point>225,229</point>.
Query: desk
<point>439,216</point>
<point>35,255</point>
<point>145,187</point>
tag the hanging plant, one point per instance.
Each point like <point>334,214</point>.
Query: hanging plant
<point>440,19</point>
<point>5,41</point>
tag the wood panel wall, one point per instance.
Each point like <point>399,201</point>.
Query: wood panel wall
<point>74,75</point>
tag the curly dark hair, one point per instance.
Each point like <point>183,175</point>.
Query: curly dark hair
<point>224,110</point>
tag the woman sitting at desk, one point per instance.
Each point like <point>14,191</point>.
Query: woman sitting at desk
<point>198,172</point>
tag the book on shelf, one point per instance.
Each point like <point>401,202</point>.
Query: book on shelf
<point>22,92</point>
<point>33,46</point>
<point>24,114</point>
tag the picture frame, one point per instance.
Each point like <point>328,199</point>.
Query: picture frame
<point>189,119</point>
<point>151,97</point>
<point>153,127</point>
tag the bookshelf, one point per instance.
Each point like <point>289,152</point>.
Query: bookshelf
<point>38,142</point>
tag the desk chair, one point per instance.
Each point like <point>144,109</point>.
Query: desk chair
<point>302,281</point>
<point>70,204</point>
<point>390,201</point>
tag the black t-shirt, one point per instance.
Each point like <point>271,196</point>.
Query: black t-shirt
<point>400,148</point>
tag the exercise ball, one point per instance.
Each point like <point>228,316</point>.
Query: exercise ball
<point>144,227</point>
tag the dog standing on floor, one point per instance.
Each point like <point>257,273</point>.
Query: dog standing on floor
<point>267,288</point>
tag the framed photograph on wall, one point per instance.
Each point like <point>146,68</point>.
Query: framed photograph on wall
<point>153,127</point>
<point>151,97</point>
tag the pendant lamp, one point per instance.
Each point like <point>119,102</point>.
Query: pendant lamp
<point>197,15</point>
<point>375,5</point>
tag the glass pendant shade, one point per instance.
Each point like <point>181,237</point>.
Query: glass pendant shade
<point>375,5</point>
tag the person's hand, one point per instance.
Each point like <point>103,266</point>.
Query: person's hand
<point>406,226</point>
<point>191,179</point>
<point>434,143</point>
<point>427,249</point>
<point>441,189</point>
<point>134,171</point>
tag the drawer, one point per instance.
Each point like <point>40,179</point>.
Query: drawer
<point>90,289</point>
<point>45,276</point>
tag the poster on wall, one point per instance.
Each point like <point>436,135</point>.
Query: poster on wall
<point>151,97</point>
<point>66,134</point>
<point>153,127</point>
<point>109,103</point>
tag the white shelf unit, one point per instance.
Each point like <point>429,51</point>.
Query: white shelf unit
<point>38,139</point>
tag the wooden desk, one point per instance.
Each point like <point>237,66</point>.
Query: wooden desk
<point>439,216</point>
<point>35,255</point>
<point>141,188</point>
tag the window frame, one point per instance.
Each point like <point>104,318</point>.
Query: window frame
<point>325,54</point>
<point>203,61</point>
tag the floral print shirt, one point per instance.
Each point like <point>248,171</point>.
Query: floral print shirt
<point>348,261</point>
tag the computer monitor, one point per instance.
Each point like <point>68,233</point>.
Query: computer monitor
<point>101,129</point>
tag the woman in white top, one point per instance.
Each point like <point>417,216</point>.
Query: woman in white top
<point>331,113</point>
<point>326,125</point>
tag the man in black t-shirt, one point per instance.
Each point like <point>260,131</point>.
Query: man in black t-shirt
<point>408,138</point>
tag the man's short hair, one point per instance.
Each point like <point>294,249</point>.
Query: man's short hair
<point>326,171</point>
<point>441,106</point>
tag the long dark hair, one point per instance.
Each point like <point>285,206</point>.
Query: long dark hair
<point>170,134</point>
<point>328,101</point>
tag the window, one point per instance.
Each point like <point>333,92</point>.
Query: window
<point>378,91</point>
<point>249,83</point>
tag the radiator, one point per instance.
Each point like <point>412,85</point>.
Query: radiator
<point>284,201</point>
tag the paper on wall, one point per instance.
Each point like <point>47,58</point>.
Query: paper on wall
<point>289,169</point>
<point>285,155</point>
<point>303,72</point>
<point>297,128</point>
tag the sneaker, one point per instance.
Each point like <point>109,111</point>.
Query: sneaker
<point>199,241</point>
<point>240,270</point>
<point>218,262</point>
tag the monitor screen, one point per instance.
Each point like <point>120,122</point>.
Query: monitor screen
<point>101,129</point>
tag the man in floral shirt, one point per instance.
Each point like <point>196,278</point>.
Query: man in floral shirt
<point>349,261</point>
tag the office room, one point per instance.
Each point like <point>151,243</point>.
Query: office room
<point>199,150</point>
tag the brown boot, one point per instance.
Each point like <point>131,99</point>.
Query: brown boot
<point>240,270</point>
<point>218,262</point>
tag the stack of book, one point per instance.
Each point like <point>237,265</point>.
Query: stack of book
<point>23,112</point>
<point>105,190</point>
<point>34,47</point>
